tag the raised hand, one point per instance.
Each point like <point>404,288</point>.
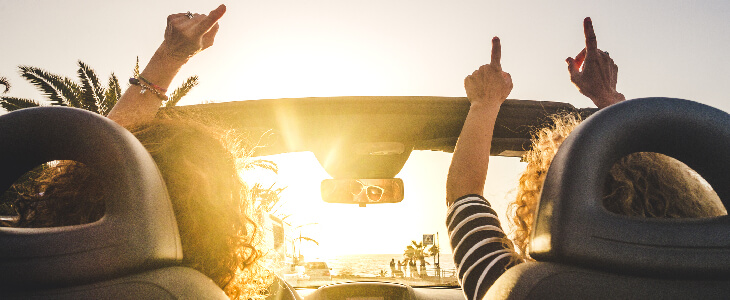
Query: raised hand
<point>186,36</point>
<point>598,77</point>
<point>486,88</point>
<point>489,84</point>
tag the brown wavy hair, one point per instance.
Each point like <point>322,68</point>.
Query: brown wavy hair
<point>200,165</point>
<point>640,184</point>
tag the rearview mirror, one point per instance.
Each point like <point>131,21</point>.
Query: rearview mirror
<point>362,191</point>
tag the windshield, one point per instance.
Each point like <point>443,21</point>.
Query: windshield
<point>330,242</point>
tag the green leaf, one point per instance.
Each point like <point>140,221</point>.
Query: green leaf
<point>111,95</point>
<point>181,91</point>
<point>72,91</point>
<point>13,103</point>
<point>93,93</point>
<point>59,90</point>
<point>4,81</point>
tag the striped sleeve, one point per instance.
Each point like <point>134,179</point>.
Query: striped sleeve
<point>478,245</point>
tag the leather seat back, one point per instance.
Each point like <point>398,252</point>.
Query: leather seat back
<point>577,235</point>
<point>137,236</point>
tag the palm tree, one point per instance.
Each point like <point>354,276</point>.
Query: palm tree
<point>89,94</point>
<point>433,251</point>
<point>265,200</point>
<point>299,259</point>
<point>416,252</point>
<point>412,251</point>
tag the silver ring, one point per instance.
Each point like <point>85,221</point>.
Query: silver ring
<point>189,15</point>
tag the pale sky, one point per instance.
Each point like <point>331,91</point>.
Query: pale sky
<point>275,49</point>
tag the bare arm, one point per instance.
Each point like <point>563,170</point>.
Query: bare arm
<point>184,37</point>
<point>486,88</point>
<point>599,75</point>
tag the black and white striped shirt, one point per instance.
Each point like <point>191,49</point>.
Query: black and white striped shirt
<point>478,244</point>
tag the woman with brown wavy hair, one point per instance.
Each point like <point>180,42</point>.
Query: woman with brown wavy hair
<point>640,184</point>
<point>199,162</point>
<point>211,204</point>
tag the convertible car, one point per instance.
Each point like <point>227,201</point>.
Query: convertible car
<point>363,143</point>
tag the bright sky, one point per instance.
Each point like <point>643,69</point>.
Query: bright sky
<point>275,49</point>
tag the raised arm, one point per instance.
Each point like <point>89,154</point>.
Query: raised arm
<point>486,88</point>
<point>599,75</point>
<point>185,35</point>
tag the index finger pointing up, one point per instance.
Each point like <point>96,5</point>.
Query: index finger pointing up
<point>210,20</point>
<point>496,53</point>
<point>591,43</point>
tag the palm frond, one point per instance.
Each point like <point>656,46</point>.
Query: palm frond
<point>59,90</point>
<point>307,239</point>
<point>267,198</point>
<point>434,250</point>
<point>136,68</point>
<point>13,103</point>
<point>111,95</point>
<point>93,93</point>
<point>4,81</point>
<point>262,164</point>
<point>181,91</point>
<point>72,91</point>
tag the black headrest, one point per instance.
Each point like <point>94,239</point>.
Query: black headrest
<point>572,226</point>
<point>138,230</point>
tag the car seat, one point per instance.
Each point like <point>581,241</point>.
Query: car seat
<point>133,252</point>
<point>583,251</point>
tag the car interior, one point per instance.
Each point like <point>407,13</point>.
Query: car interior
<point>582,250</point>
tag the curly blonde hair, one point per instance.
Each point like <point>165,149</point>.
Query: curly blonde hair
<point>640,184</point>
<point>199,164</point>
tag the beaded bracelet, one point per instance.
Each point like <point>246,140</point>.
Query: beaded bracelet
<point>146,85</point>
<point>158,88</point>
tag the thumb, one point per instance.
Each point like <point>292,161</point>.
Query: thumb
<point>572,67</point>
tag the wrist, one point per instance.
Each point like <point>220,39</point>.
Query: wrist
<point>618,97</point>
<point>167,52</point>
<point>608,100</point>
<point>162,67</point>
<point>485,105</point>
<point>485,109</point>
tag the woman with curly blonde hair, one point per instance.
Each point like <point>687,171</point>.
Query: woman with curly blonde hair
<point>640,184</point>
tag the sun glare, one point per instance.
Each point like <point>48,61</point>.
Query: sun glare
<point>309,71</point>
<point>346,228</point>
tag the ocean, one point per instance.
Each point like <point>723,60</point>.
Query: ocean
<point>372,264</point>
